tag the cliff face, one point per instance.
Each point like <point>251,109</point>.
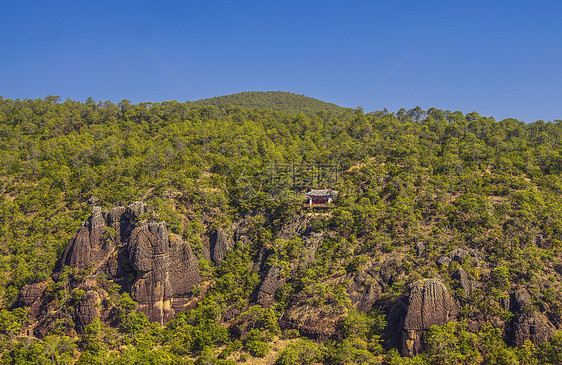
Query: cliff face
<point>157,268</point>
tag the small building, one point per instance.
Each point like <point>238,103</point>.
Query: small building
<point>321,197</point>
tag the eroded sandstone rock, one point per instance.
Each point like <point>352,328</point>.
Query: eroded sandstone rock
<point>218,246</point>
<point>157,268</point>
<point>30,293</point>
<point>272,282</point>
<point>320,323</point>
<point>89,246</point>
<point>166,269</point>
<point>430,303</point>
<point>87,309</point>
<point>528,323</point>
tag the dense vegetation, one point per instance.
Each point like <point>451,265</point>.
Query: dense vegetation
<point>276,100</point>
<point>438,177</point>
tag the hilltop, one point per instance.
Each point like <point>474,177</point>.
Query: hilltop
<point>276,100</point>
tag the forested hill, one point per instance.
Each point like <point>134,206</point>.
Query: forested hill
<point>276,100</point>
<point>174,233</point>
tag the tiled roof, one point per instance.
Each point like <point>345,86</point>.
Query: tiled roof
<point>324,192</point>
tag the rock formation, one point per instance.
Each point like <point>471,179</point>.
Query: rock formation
<point>166,271</point>
<point>318,322</point>
<point>87,309</point>
<point>218,246</point>
<point>272,282</point>
<point>364,290</point>
<point>160,272</point>
<point>465,283</point>
<point>429,304</point>
<point>459,255</point>
<point>528,323</point>
<point>30,296</point>
<point>157,268</point>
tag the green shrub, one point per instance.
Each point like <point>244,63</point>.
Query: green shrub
<point>256,343</point>
<point>303,352</point>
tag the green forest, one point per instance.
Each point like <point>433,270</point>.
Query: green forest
<point>276,100</point>
<point>457,214</point>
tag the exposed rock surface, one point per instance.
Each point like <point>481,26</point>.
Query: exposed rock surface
<point>465,283</point>
<point>320,323</point>
<point>430,303</point>
<point>459,255</point>
<point>218,246</point>
<point>272,282</point>
<point>166,270</point>
<point>528,323</point>
<point>159,270</point>
<point>87,309</point>
<point>89,246</point>
<point>30,293</point>
<point>30,296</point>
<point>364,290</point>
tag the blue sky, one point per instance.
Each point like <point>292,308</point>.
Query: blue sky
<point>502,58</point>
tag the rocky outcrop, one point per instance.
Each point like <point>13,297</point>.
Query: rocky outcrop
<point>272,282</point>
<point>87,310</point>
<point>166,269</point>
<point>430,303</point>
<point>31,295</point>
<point>465,283</point>
<point>363,291</point>
<point>94,242</point>
<point>528,323</point>
<point>161,273</point>
<point>218,246</point>
<point>459,255</point>
<point>320,323</point>
<point>157,268</point>
<point>89,245</point>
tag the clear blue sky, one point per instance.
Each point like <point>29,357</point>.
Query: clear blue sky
<point>502,58</point>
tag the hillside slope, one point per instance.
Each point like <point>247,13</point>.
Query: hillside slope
<point>171,232</point>
<point>276,100</point>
